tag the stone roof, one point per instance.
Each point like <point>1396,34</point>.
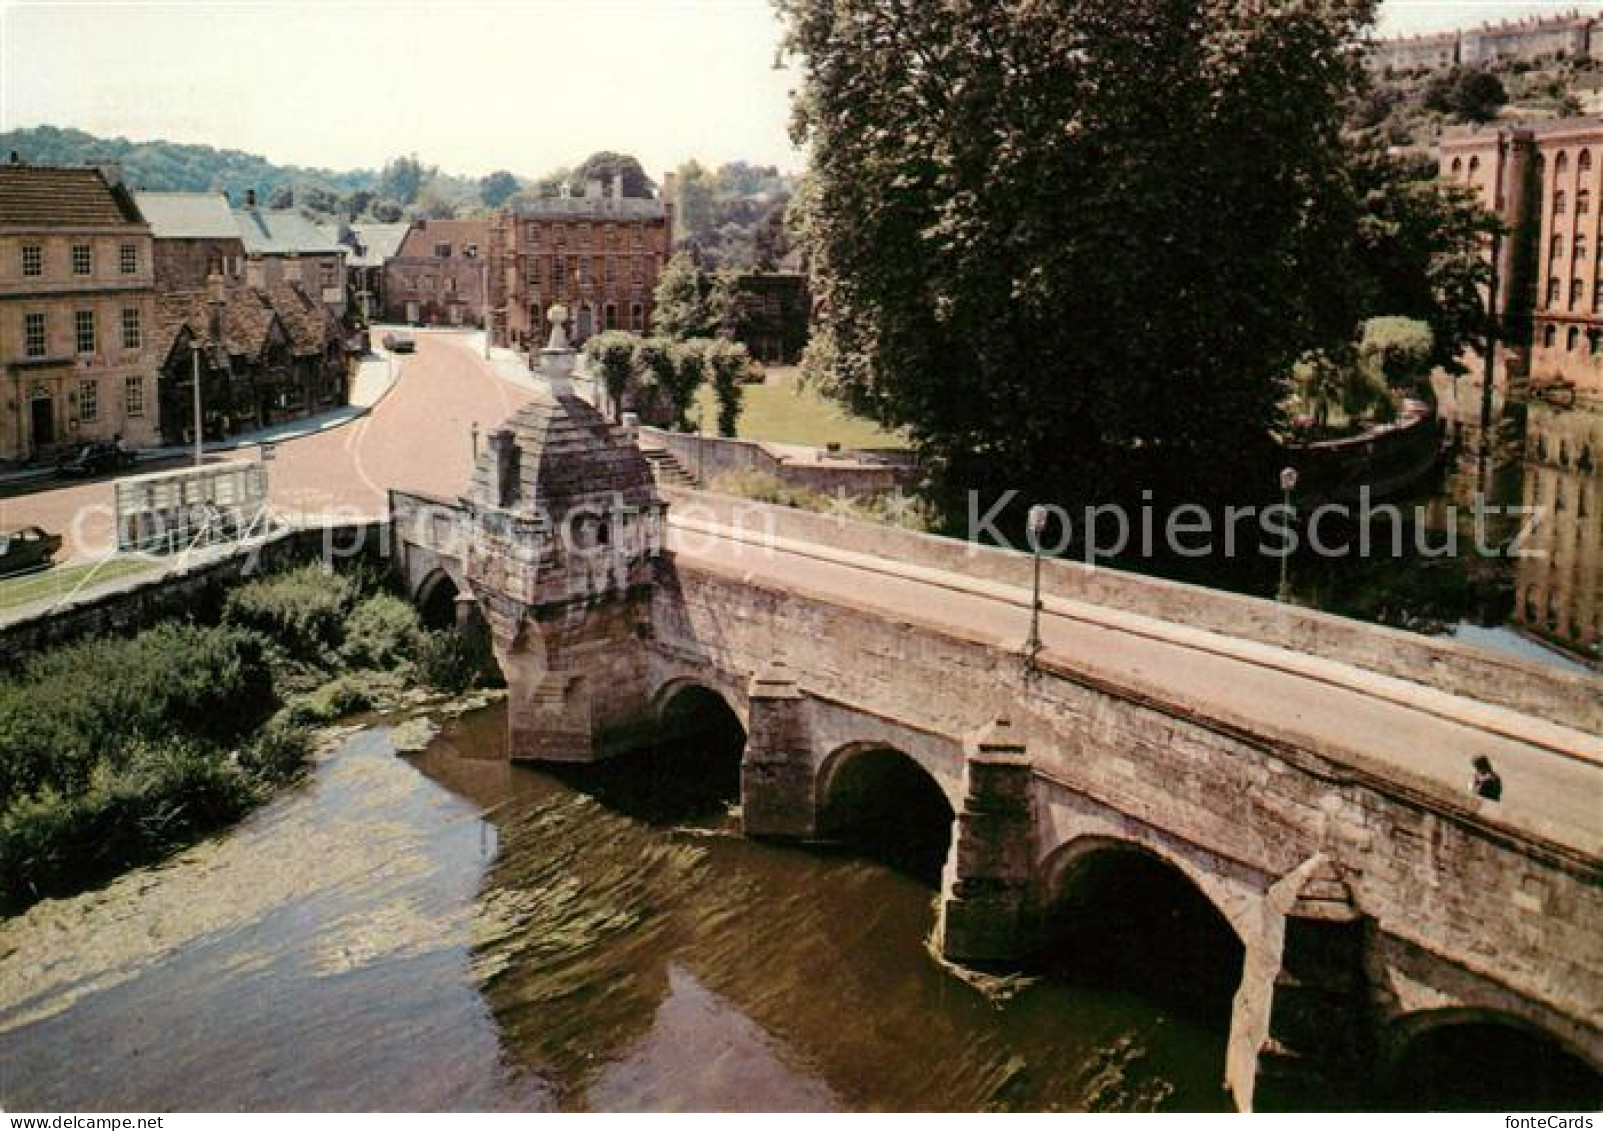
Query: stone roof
<point>376,243</point>
<point>247,321</point>
<point>567,453</point>
<point>269,231</point>
<point>58,197</point>
<point>188,215</point>
<point>306,320</point>
<point>594,207</point>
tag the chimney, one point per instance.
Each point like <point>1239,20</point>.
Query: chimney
<point>592,188</point>
<point>292,269</point>
<point>111,171</point>
<point>250,198</point>
<point>617,186</point>
<point>668,180</point>
<point>504,460</point>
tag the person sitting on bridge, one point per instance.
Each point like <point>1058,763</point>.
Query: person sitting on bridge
<point>1486,782</point>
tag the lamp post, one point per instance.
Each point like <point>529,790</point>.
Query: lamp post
<point>475,433</point>
<point>194,366</point>
<point>1288,484</point>
<point>1035,521</point>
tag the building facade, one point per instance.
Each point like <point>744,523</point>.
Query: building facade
<point>371,247</point>
<point>1546,182</point>
<point>285,246</point>
<point>195,237</point>
<point>1565,35</point>
<point>77,306</point>
<point>437,275</point>
<point>598,255</point>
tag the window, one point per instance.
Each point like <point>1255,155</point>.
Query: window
<point>128,259</point>
<point>1594,341</point>
<point>133,396</point>
<point>442,251</point>
<point>612,269</point>
<point>640,270</point>
<point>637,317</point>
<point>83,327</point>
<point>1549,336</point>
<point>584,235</point>
<point>33,334</point>
<point>450,284</point>
<point>584,270</point>
<point>1583,202</point>
<point>561,233</point>
<point>1580,247</point>
<point>1561,164</point>
<point>1571,339</point>
<point>1583,163</point>
<point>1557,251</point>
<point>411,282</point>
<point>428,282</point>
<point>33,260</point>
<point>536,272</point>
<point>327,270</point>
<point>1577,289</point>
<point>471,251</point>
<point>1458,165</point>
<point>133,336</point>
<point>83,260</point>
<point>88,401</point>
<point>558,275</point>
<point>640,239</point>
<point>1560,205</point>
<point>1474,167</point>
<point>1552,292</point>
<point>609,316</point>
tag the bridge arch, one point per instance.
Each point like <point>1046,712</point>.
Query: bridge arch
<point>1123,911</point>
<point>1478,1059</point>
<point>435,598</point>
<point>881,801</point>
<point>677,693</point>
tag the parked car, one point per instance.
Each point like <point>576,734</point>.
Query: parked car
<point>399,342</point>
<point>26,549</point>
<point>96,459</point>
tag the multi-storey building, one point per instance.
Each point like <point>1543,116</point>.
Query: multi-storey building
<point>1546,182</point>
<point>437,275</point>
<point>598,255</point>
<point>195,238</point>
<point>371,247</point>
<point>1559,576</point>
<point>77,309</point>
<point>284,246</point>
<point>1561,35</point>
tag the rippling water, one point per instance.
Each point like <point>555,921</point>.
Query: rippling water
<point>449,931</point>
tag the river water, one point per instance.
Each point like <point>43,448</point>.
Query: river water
<point>446,930</point>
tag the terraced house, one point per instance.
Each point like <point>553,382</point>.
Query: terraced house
<point>77,304</point>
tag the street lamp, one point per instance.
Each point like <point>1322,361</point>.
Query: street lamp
<point>1288,484</point>
<point>475,428</point>
<point>1035,521</point>
<point>194,368</point>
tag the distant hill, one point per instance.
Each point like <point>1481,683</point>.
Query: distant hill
<point>165,166</point>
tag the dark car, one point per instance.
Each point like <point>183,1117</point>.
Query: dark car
<point>96,459</point>
<point>26,549</point>
<point>399,343</point>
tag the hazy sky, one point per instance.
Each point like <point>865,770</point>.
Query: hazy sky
<point>470,86</point>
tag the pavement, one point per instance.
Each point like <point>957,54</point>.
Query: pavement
<point>412,433</point>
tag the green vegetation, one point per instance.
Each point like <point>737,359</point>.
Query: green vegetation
<point>116,751</point>
<point>660,378</point>
<point>785,410</point>
<point>62,581</point>
<point>910,514</point>
<point>733,216</point>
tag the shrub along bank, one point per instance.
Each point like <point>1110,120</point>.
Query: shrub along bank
<point>116,751</point>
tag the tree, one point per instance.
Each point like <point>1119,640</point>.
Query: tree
<point>1478,96</point>
<point>316,198</point>
<point>680,308</point>
<point>1399,349</point>
<point>656,379</point>
<point>688,375</point>
<point>282,197</point>
<point>359,202</point>
<point>1075,248</point>
<point>613,352</point>
<point>603,166</point>
<point>403,178</point>
<point>433,203</point>
<point>388,212</point>
<point>497,187</point>
<point>730,367</point>
<point>694,190</point>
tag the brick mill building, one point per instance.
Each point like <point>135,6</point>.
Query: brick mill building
<point>437,274</point>
<point>77,304</point>
<point>1546,182</point>
<point>598,254</point>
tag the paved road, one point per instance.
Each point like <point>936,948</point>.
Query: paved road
<point>416,438</point>
<point>1552,775</point>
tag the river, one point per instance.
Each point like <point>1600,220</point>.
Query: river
<point>447,930</point>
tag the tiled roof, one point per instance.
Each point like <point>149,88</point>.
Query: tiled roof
<point>601,207</point>
<point>57,197</point>
<point>307,320</point>
<point>247,321</point>
<point>376,243</point>
<point>420,241</point>
<point>269,231</point>
<point>188,215</point>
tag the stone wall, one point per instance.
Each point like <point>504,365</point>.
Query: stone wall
<point>1574,700</point>
<point>853,474</point>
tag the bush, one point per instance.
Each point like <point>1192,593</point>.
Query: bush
<point>337,698</point>
<point>452,661</point>
<point>277,754</point>
<point>382,632</point>
<point>302,611</point>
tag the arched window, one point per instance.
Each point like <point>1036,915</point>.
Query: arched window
<point>1549,336</point>
<point>1458,166</point>
<point>1583,202</point>
<point>1474,166</point>
<point>1572,339</point>
<point>1561,164</point>
<point>1560,204</point>
<point>1583,162</point>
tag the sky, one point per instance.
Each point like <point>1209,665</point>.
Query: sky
<point>470,86</point>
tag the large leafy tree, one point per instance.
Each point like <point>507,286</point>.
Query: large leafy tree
<point>603,166</point>
<point>495,188</point>
<point>1076,247</point>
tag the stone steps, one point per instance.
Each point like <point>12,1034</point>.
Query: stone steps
<point>667,469</point>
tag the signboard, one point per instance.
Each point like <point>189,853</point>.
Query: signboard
<point>269,453</point>
<point>172,511</point>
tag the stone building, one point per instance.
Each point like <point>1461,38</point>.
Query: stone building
<point>1559,577</point>
<point>598,255</point>
<point>1546,182</point>
<point>195,238</point>
<point>1413,52</point>
<point>266,354</point>
<point>437,274</point>
<point>77,306</point>
<point>285,246</point>
<point>1565,35</point>
<point>371,247</point>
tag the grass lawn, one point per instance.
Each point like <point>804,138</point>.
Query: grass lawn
<point>785,412</point>
<point>60,581</point>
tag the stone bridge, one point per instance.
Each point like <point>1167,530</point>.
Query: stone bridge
<point>1303,775</point>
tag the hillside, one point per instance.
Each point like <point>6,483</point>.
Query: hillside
<point>1412,108</point>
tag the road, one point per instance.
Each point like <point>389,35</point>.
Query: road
<point>1400,731</point>
<point>416,438</point>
